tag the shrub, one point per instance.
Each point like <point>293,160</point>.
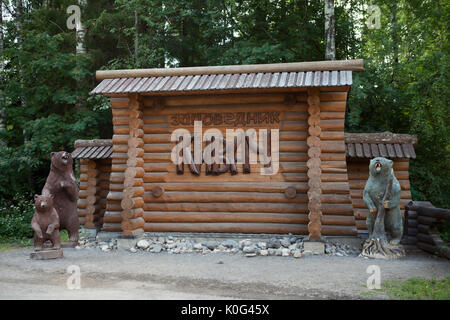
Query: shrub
<point>15,218</point>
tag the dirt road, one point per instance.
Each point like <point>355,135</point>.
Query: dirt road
<point>126,275</point>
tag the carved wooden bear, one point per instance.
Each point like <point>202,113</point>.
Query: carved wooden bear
<point>62,186</point>
<point>380,171</point>
<point>45,223</point>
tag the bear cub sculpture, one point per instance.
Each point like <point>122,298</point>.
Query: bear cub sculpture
<point>62,186</point>
<point>45,223</point>
<point>380,171</point>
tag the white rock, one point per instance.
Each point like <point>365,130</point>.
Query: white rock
<point>297,254</point>
<point>143,244</point>
<point>105,248</point>
<point>307,253</point>
<point>133,250</point>
<point>264,252</point>
<point>262,245</point>
<point>78,248</point>
<point>198,246</point>
<point>285,252</point>
<point>245,243</point>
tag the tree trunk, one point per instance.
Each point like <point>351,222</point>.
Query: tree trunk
<point>80,50</point>
<point>330,48</point>
<point>2,110</point>
<point>81,32</point>
<point>136,38</point>
<point>395,40</point>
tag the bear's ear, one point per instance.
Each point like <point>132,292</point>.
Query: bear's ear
<point>52,154</point>
<point>391,162</point>
<point>36,196</point>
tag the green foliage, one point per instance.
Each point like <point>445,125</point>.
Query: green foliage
<point>419,289</point>
<point>15,218</point>
<point>444,232</point>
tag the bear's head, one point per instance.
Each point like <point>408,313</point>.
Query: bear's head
<point>43,203</point>
<point>380,167</point>
<point>62,160</point>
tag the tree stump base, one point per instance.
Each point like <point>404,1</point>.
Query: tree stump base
<point>379,249</point>
<point>47,254</point>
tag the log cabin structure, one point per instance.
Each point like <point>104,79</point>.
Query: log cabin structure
<point>130,184</point>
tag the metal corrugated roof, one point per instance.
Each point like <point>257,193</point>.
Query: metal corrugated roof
<point>386,150</point>
<point>100,152</point>
<point>210,82</point>
<point>354,150</point>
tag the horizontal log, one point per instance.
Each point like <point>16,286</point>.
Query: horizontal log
<point>225,197</point>
<point>426,220</point>
<point>437,213</point>
<point>361,224</point>
<point>423,228</point>
<point>225,228</point>
<point>354,65</point>
<point>338,97</point>
<point>111,227</point>
<point>112,217</point>
<point>409,240</point>
<point>227,207</point>
<point>411,231</point>
<point>442,251</point>
<point>225,217</point>
<point>335,198</point>
<point>328,115</point>
<point>276,187</point>
<point>332,125</point>
<point>427,238</point>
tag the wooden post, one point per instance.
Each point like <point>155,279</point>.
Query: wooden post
<point>81,203</point>
<point>133,202</point>
<point>91,199</point>
<point>313,164</point>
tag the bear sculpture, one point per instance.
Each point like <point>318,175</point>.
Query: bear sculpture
<point>45,223</point>
<point>384,222</point>
<point>62,186</point>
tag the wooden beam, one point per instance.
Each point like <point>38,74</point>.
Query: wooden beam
<point>348,65</point>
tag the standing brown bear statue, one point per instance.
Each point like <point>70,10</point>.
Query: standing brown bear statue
<point>45,224</point>
<point>63,187</point>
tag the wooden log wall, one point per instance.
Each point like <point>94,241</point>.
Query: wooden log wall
<point>94,188</point>
<point>82,195</point>
<point>336,204</point>
<point>423,220</point>
<point>313,164</point>
<point>133,191</point>
<point>112,220</point>
<point>241,203</point>
<point>358,173</point>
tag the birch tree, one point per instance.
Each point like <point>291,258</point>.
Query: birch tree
<point>330,47</point>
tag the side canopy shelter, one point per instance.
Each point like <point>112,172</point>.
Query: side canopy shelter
<point>361,147</point>
<point>306,102</point>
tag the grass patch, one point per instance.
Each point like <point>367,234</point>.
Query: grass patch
<point>418,289</point>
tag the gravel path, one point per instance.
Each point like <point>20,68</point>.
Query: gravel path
<point>143,275</point>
